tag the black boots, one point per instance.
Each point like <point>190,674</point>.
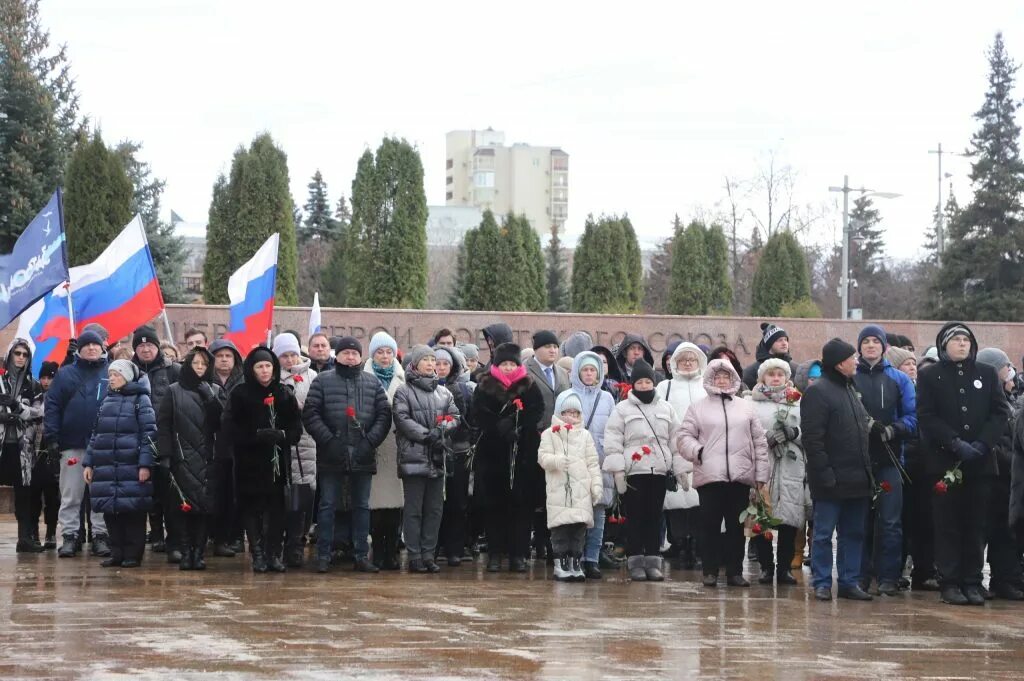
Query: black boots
<point>70,546</point>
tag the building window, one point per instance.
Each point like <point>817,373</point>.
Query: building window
<point>560,162</point>
<point>450,164</point>
<point>483,179</point>
<point>449,180</point>
<point>448,196</point>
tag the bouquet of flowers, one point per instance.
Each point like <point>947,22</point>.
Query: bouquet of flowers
<point>757,519</point>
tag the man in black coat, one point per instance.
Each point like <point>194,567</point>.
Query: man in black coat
<point>835,437</point>
<point>348,415</point>
<point>962,414</point>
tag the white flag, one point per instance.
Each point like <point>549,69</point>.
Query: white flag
<point>314,315</point>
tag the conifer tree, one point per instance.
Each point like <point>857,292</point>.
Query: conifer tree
<point>658,280</point>
<point>97,199</point>
<point>781,276</point>
<point>718,271</point>
<point>557,279</point>
<point>607,273</point>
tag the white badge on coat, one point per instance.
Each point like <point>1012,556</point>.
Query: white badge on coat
<point>977,383</point>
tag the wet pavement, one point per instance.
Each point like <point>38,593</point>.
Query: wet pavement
<point>70,618</point>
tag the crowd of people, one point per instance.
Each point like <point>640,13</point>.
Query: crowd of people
<point>585,456</point>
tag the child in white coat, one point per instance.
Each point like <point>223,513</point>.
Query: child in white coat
<point>573,484</point>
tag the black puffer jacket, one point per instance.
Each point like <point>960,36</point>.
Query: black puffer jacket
<point>962,400</point>
<point>834,428</point>
<point>461,388</point>
<point>341,445</point>
<point>418,405</point>
<point>187,424</point>
<point>161,374</point>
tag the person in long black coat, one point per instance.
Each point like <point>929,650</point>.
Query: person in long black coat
<point>508,480</point>
<point>261,424</point>
<point>187,423</point>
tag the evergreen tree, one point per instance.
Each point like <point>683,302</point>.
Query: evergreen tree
<point>39,125</point>
<point>485,277</point>
<point>97,199</point>
<point>531,275</point>
<point>867,250</point>
<point>982,271</point>
<point>318,232</point>
<point>169,254</point>
<point>781,276</point>
<point>689,294</point>
<point>386,260</point>
<point>502,267</point>
<point>557,279</point>
<point>248,206</point>
<point>333,282</point>
<point>607,273</point>
<point>658,280</point>
<point>455,295</point>
<point>950,213</point>
<point>318,219</point>
<point>718,271</point>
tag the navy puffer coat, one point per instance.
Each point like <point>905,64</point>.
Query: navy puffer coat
<point>121,444</point>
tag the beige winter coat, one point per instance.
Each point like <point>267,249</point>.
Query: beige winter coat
<point>572,503</point>
<point>629,431</point>
<point>298,379</point>
<point>386,490</point>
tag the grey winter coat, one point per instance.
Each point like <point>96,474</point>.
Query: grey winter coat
<point>303,457</point>
<point>789,493</point>
<point>386,491</point>
<point>418,406</point>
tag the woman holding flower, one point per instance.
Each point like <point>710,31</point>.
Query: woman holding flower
<point>641,453</point>
<point>724,439</point>
<point>508,408</point>
<point>777,404</point>
<point>262,422</point>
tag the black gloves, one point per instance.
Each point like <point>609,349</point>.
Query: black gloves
<point>881,431</point>
<point>270,436</point>
<point>791,433</point>
<point>205,391</point>
<point>504,427</point>
<point>433,437</point>
<point>965,451</point>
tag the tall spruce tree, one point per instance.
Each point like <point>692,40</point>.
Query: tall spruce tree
<point>982,272</point>
<point>502,267</point>
<point>532,277</point>
<point>688,293</point>
<point>98,199</point>
<point>333,282</point>
<point>386,259</point>
<point>485,278</point>
<point>607,273</point>
<point>39,124</point>
<point>317,235</point>
<point>557,279</point>
<point>719,279</point>
<point>248,206</point>
<point>781,276</point>
<point>169,254</point>
<point>866,258</point>
<point>318,219</point>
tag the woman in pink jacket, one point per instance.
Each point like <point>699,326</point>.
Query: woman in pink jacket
<point>725,440</point>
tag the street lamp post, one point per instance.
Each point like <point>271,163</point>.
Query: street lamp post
<point>844,276</point>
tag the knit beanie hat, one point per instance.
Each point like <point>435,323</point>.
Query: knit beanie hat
<point>873,331</point>
<point>89,338</point>
<point>348,343</point>
<point>897,356</point>
<point>994,357</point>
<point>774,363</point>
<point>542,338</point>
<point>417,353</point>
<point>470,351</point>
<point>48,370</point>
<point>577,343</point>
<point>641,369</point>
<point>260,354</point>
<point>126,368</point>
<point>952,331</point>
<point>591,361</point>
<point>285,343</point>
<point>382,339</point>
<point>506,352</point>
<point>771,333</point>
<point>443,355</point>
<point>144,334</point>
<point>835,352</point>
<point>566,401</point>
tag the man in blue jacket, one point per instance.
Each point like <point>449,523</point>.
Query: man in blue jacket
<point>72,403</point>
<point>889,397</point>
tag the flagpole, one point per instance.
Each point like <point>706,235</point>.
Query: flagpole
<point>160,291</point>
<point>64,254</point>
<point>167,326</point>
<point>71,310</point>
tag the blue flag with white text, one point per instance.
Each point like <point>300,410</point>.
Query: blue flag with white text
<point>38,263</point>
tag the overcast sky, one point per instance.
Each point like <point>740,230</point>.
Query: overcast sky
<point>654,102</point>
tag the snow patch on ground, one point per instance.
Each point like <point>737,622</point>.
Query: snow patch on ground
<point>203,645</point>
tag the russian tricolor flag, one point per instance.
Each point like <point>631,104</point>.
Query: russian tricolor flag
<point>119,290</point>
<point>251,295</point>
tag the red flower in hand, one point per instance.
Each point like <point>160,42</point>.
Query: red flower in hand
<point>885,486</point>
<point>941,487</point>
<point>555,428</point>
<point>793,395</point>
<point>518,404</point>
<point>768,535</point>
<point>568,426</point>
<point>350,412</point>
<point>3,372</point>
<point>645,449</point>
<point>186,507</point>
<point>440,419</point>
<point>636,456</point>
<point>624,389</point>
<point>756,528</point>
<point>298,378</point>
<point>73,461</point>
<point>269,400</point>
<point>448,418</point>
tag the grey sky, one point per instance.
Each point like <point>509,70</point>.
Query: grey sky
<point>655,102</point>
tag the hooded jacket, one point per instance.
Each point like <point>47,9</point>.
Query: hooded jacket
<point>722,436</point>
<point>760,355</point>
<point>681,391</point>
<point>187,424</point>
<point>386,489</point>
<point>889,397</point>
<point>570,494</point>
<point>598,405</point>
<point>418,406</point>
<point>620,354</point>
<point>121,444</point>
<point>247,413</point>
<point>613,377</point>
<point>632,427</point>
<point>962,400</point>
<point>20,421</point>
<point>161,374</point>
<point>461,387</point>
<point>497,334</point>
<point>802,377</point>
<point>298,379</point>
<point>73,400</point>
<point>576,343</point>
<point>235,377</point>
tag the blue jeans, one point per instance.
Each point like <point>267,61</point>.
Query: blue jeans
<point>883,554</point>
<point>848,518</point>
<point>330,491</point>
<point>595,537</point>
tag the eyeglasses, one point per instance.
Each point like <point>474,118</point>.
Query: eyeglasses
<point>20,353</point>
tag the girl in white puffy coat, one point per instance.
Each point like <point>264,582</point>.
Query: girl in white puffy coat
<point>573,484</point>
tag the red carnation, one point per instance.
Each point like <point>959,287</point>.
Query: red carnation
<point>768,535</point>
<point>440,419</point>
<point>298,378</point>
<point>72,461</point>
<point>645,449</point>
<point>269,400</point>
<point>449,418</point>
<point>793,395</point>
<point>186,507</point>
<point>885,486</point>
<point>941,487</point>
<point>3,371</point>
<point>756,528</point>
<point>350,412</point>
<point>568,426</point>
<point>555,428</point>
<point>518,404</point>
<point>636,456</point>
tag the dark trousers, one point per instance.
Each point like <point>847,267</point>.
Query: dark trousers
<point>787,548</point>
<point>45,494</point>
<point>23,511</point>
<point>126,533</point>
<point>456,509</point>
<point>1003,552</point>
<point>508,530</point>
<point>227,521</point>
<point>193,529</point>
<point>296,524</point>
<point>644,501</point>
<point>919,529</point>
<point>961,516</point>
<point>722,501</point>
<point>264,522</point>
<point>386,530</point>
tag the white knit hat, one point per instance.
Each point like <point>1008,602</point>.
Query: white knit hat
<point>774,363</point>
<point>126,368</point>
<point>285,343</point>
